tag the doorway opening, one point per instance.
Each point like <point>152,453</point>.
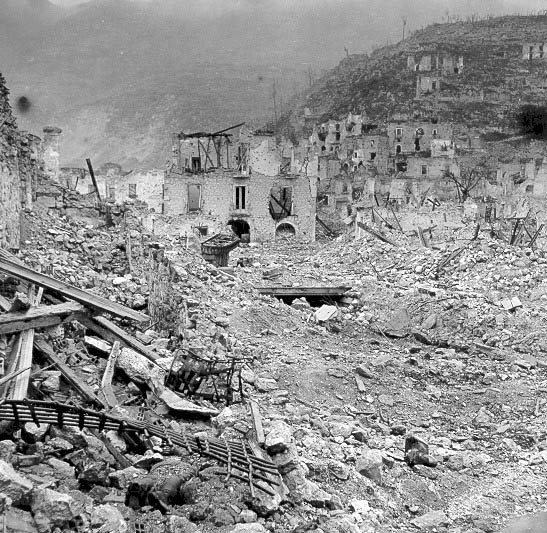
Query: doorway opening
<point>241,228</point>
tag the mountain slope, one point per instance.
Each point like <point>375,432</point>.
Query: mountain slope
<point>494,85</point>
<point>120,76</point>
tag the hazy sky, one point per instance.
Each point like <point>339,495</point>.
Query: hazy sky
<point>454,6</point>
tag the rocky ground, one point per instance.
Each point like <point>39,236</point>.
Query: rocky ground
<point>420,405</point>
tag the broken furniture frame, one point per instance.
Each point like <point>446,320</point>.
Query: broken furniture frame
<point>205,378</point>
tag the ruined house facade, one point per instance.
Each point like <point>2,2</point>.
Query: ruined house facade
<point>398,160</point>
<point>117,185</point>
<point>246,180</point>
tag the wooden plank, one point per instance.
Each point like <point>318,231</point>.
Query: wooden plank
<point>20,386</point>
<point>12,365</point>
<point>377,234</point>
<point>422,237</point>
<point>325,227</point>
<point>106,382</point>
<point>396,219</point>
<point>38,317</point>
<point>45,349</point>
<point>60,287</point>
<point>5,304</point>
<point>9,377</point>
<point>24,359</point>
<point>257,423</point>
<point>298,292</point>
<point>93,179</point>
<point>112,333</point>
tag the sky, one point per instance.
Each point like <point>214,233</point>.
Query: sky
<point>216,6</point>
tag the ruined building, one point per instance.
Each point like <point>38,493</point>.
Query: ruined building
<point>238,178</point>
<point>21,166</point>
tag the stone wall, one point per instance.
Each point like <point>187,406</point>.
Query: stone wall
<point>403,133</point>
<point>166,276</point>
<point>217,202</point>
<point>51,151</point>
<point>21,167</point>
<point>117,185</point>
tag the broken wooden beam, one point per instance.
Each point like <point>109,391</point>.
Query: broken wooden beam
<point>106,382</point>
<point>257,423</point>
<point>24,356</point>
<point>112,333</point>
<point>535,236</point>
<point>423,240</point>
<point>86,298</point>
<point>86,392</point>
<point>376,234</point>
<point>38,317</point>
<point>9,377</point>
<point>303,292</point>
<point>325,227</point>
<point>5,304</point>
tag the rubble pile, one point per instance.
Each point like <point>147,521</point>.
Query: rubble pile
<point>93,258</point>
<point>491,293</point>
<point>391,409</point>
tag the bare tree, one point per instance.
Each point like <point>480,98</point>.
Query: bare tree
<point>404,26</point>
<point>473,170</point>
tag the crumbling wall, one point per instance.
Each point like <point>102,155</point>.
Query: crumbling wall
<point>51,152</point>
<point>117,185</point>
<point>19,169</point>
<point>165,276</point>
<point>404,133</point>
<point>265,159</point>
<point>217,205</point>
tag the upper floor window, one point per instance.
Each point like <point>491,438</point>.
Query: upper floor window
<point>240,197</point>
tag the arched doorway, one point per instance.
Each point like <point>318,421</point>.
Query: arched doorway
<point>241,228</point>
<point>285,230</point>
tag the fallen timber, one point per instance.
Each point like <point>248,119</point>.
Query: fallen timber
<point>88,299</point>
<point>38,317</point>
<point>303,292</point>
<point>236,455</point>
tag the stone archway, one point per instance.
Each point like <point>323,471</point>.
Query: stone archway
<point>285,230</point>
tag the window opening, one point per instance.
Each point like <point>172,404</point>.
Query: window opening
<point>194,198</point>
<point>240,197</point>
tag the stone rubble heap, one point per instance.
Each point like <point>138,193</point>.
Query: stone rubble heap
<point>380,418</point>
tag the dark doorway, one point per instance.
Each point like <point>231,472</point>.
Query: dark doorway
<point>241,228</point>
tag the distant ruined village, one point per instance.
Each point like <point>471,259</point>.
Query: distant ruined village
<point>338,173</point>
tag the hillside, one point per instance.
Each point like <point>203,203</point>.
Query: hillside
<point>119,76</point>
<point>491,89</point>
